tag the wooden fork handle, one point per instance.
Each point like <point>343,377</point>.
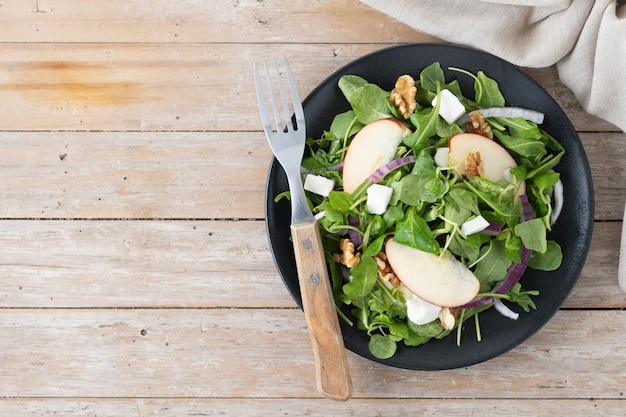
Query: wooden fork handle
<point>331,365</point>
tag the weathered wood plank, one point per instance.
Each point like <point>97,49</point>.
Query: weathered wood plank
<point>186,21</point>
<point>138,264</point>
<point>152,87</point>
<point>263,407</point>
<point>121,264</point>
<point>133,175</point>
<point>186,174</point>
<point>261,353</point>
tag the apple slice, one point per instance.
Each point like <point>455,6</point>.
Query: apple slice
<point>496,161</point>
<point>445,282</point>
<point>372,147</point>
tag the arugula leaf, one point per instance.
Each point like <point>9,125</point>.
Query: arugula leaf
<point>516,295</point>
<point>487,91</point>
<point>364,276</point>
<point>432,77</point>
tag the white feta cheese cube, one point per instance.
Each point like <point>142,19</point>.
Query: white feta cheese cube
<point>451,109</point>
<point>420,311</point>
<point>378,197</point>
<point>475,225</point>
<point>318,184</point>
<point>441,157</point>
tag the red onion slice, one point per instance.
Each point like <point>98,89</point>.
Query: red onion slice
<point>380,173</point>
<point>355,237</point>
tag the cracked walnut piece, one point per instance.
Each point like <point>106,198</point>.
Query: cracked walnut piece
<point>385,271</point>
<point>403,96</point>
<point>478,125</point>
<point>347,257</point>
<point>474,166</point>
<point>447,318</point>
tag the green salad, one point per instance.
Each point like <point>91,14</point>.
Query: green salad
<point>432,205</point>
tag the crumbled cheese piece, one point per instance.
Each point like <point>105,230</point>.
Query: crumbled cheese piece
<point>441,157</point>
<point>475,225</point>
<point>378,197</point>
<point>420,311</point>
<point>318,184</point>
<point>451,108</point>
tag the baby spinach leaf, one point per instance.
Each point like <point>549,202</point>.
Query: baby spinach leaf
<point>382,347</point>
<point>370,103</point>
<point>513,247</point>
<point>463,198</point>
<point>432,329</point>
<point>348,84</point>
<point>345,125</point>
<point>376,246</point>
<point>550,260</point>
<point>533,235</point>
<point>340,200</point>
<point>494,264</point>
<point>413,231</point>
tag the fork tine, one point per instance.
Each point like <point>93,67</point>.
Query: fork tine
<point>272,95</point>
<point>297,104</point>
<point>265,118</point>
<point>283,96</point>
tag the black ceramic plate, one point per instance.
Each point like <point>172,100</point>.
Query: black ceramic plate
<point>572,231</point>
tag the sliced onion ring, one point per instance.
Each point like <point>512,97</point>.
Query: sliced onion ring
<point>508,112</point>
<point>380,173</point>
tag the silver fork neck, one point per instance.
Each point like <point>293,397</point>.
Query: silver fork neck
<point>300,211</point>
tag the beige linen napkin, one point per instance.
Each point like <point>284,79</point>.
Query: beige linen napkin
<point>585,39</point>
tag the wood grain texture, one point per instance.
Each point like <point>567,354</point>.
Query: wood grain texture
<point>263,407</point>
<point>195,175</point>
<point>228,353</point>
<point>135,273</point>
<point>332,371</point>
<point>189,21</point>
<point>198,175</point>
<point>155,87</point>
<point>193,264</point>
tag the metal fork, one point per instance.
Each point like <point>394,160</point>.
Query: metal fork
<point>287,140</point>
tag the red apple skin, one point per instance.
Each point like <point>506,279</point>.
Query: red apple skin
<point>441,281</point>
<point>372,147</point>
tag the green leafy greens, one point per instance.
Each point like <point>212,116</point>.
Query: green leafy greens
<point>429,204</point>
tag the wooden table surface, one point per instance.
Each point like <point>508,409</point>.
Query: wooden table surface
<point>135,273</point>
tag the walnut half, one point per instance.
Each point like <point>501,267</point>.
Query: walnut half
<point>403,96</point>
<point>474,166</point>
<point>478,125</point>
<point>385,271</point>
<point>347,257</point>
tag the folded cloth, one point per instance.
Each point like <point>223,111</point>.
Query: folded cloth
<point>585,39</point>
